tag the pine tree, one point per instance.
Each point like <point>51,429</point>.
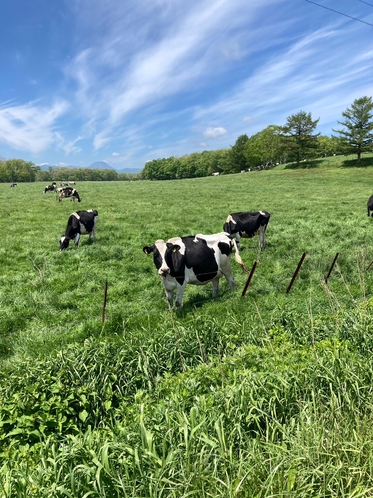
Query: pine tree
<point>357,135</point>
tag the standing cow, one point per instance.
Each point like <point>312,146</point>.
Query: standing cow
<point>79,223</point>
<point>370,205</point>
<point>68,192</point>
<point>194,260</point>
<point>247,225</point>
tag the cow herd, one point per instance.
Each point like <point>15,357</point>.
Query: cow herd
<point>194,259</point>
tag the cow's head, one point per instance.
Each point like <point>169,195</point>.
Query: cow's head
<point>167,257</point>
<point>64,242</point>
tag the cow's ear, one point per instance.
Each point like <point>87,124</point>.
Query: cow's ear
<point>173,247</point>
<point>148,249</point>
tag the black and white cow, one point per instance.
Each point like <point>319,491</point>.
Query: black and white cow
<point>68,192</point>
<point>247,225</point>
<point>370,205</point>
<point>13,185</point>
<point>79,223</point>
<point>195,259</point>
<point>50,188</point>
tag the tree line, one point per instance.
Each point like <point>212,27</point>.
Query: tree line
<point>295,141</point>
<point>18,170</point>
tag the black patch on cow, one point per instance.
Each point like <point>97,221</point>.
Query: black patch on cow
<point>225,248</point>
<point>200,258</point>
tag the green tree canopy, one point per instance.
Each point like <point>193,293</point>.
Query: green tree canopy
<point>17,170</point>
<point>239,162</point>
<point>266,147</point>
<point>357,135</point>
<point>300,142</point>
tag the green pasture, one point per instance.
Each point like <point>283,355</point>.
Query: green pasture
<point>264,395</point>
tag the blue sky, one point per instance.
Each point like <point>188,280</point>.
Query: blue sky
<point>127,81</point>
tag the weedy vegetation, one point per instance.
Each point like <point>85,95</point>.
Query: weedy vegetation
<point>267,395</point>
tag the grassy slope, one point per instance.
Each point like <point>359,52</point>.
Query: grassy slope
<point>284,378</point>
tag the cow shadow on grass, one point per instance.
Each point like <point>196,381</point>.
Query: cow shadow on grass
<point>310,164</point>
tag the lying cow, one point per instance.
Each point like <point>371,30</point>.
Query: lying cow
<point>79,223</point>
<point>50,188</point>
<point>370,205</point>
<point>68,192</point>
<point>247,225</point>
<point>195,260</point>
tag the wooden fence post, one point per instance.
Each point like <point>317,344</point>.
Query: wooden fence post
<point>296,273</point>
<point>249,279</point>
<point>331,268</point>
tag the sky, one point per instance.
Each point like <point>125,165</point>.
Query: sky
<point>129,81</point>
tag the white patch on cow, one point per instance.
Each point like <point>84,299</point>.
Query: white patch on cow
<point>262,213</point>
<point>231,220</point>
<point>76,215</point>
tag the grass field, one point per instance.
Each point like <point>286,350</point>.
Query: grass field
<point>258,396</point>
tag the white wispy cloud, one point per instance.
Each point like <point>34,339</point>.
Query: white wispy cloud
<point>30,126</point>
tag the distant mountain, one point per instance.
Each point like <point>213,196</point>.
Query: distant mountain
<point>101,165</point>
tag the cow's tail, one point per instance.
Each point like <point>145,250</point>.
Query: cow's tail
<point>238,256</point>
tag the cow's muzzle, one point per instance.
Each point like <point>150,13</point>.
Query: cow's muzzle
<point>164,272</point>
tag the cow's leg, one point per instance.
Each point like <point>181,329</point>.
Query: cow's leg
<point>76,239</point>
<point>215,286</point>
<point>229,276</point>
<point>262,237</point>
<point>238,239</point>
<point>179,294</point>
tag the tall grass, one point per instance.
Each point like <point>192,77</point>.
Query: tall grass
<point>266,395</point>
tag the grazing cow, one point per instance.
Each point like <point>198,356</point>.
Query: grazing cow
<point>247,225</point>
<point>50,188</point>
<point>79,223</point>
<point>13,185</point>
<point>71,183</point>
<point>68,192</point>
<point>370,205</point>
<point>195,260</point>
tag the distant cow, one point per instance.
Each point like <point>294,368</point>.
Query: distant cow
<point>50,188</point>
<point>64,184</point>
<point>195,259</point>
<point>71,183</point>
<point>13,185</point>
<point>79,223</point>
<point>68,192</point>
<point>247,225</point>
<point>370,205</point>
